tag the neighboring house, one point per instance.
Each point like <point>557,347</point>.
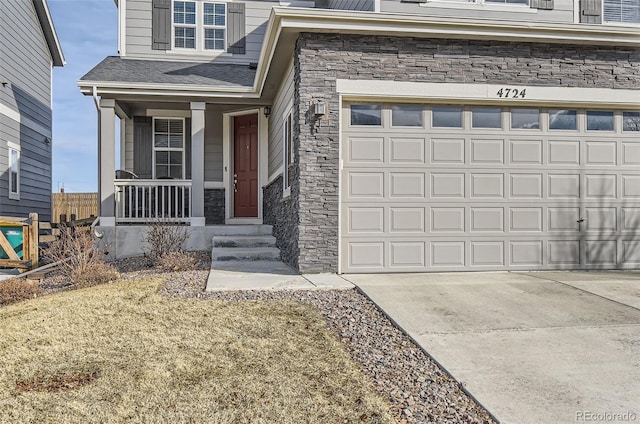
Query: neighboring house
<point>29,49</point>
<point>398,136</point>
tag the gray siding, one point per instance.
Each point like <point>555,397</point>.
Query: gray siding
<point>25,64</point>
<point>363,5</point>
<point>138,34</point>
<point>276,121</point>
<point>562,12</point>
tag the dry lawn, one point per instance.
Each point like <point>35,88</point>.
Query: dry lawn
<point>124,353</point>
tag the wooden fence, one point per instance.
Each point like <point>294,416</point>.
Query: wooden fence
<point>80,205</point>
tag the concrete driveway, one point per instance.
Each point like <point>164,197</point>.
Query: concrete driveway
<point>532,347</point>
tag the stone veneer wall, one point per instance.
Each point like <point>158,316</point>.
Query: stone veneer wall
<point>321,58</point>
<point>214,206</point>
<point>283,215</point>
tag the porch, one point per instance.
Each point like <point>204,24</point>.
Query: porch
<point>192,163</point>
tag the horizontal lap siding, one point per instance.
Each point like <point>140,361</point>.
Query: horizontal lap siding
<point>561,13</point>
<point>276,121</point>
<point>138,34</point>
<point>25,63</point>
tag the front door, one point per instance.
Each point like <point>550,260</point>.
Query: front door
<point>245,166</point>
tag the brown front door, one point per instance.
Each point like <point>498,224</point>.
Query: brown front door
<point>245,166</point>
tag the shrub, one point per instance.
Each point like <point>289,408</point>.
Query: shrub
<point>81,259</point>
<point>17,289</point>
<point>177,261</point>
<point>164,237</point>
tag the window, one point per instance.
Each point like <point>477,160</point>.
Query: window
<point>631,121</point>
<point>168,148</point>
<point>287,145</point>
<point>525,119</point>
<point>622,11</point>
<point>524,2</point>
<point>366,115</point>
<point>184,24</point>
<point>446,117</point>
<point>199,25</point>
<point>599,120</point>
<point>406,116</point>
<point>14,171</point>
<point>486,117</point>
<point>562,119</point>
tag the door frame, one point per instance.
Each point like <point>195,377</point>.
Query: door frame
<point>227,162</point>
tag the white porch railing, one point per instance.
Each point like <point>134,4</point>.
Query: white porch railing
<point>140,201</point>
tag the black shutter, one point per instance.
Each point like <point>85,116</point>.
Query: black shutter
<point>142,146</point>
<point>161,25</point>
<point>591,11</point>
<point>187,148</point>
<point>542,4</point>
<point>236,37</point>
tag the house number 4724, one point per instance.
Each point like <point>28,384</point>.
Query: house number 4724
<point>512,93</point>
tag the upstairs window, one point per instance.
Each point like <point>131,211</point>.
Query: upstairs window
<point>622,11</point>
<point>199,25</point>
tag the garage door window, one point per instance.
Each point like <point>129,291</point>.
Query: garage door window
<point>486,117</point>
<point>562,119</point>
<point>525,119</point>
<point>406,116</point>
<point>631,121</point>
<point>366,115</point>
<point>599,120</point>
<point>446,117</point>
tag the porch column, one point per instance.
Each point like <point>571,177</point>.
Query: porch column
<point>107,162</point>
<point>197,163</point>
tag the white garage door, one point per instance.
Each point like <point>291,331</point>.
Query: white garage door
<point>437,188</point>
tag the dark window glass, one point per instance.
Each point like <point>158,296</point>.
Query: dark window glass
<point>406,116</point>
<point>562,119</point>
<point>631,121</point>
<point>525,119</point>
<point>366,115</point>
<point>446,117</point>
<point>486,117</point>
<point>599,120</point>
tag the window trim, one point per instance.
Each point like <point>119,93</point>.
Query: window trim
<point>287,148</point>
<point>13,147</point>
<point>200,28</point>
<point>167,149</point>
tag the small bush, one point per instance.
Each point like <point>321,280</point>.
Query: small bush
<point>164,237</point>
<point>81,259</point>
<point>178,261</point>
<point>17,289</point>
<point>94,273</point>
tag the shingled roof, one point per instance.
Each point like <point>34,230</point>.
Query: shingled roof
<point>117,69</point>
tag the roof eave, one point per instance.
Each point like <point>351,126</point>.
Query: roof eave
<point>114,88</point>
<point>49,31</point>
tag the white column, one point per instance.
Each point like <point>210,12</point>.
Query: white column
<point>197,163</point>
<point>107,162</point>
<point>123,143</point>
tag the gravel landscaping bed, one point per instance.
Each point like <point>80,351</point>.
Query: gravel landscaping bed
<point>418,390</point>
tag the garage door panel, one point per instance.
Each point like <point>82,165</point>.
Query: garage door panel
<point>448,185</point>
<point>406,150</point>
<point>450,199</point>
<point>447,151</point>
<point>487,152</point>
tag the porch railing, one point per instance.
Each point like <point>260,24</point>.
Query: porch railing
<point>147,200</point>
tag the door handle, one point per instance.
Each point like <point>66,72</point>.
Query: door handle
<point>580,221</point>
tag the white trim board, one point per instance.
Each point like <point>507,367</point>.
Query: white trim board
<point>15,116</point>
<point>487,93</point>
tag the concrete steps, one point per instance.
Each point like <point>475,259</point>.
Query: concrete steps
<point>243,243</point>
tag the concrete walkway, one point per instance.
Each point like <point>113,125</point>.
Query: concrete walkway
<point>268,275</point>
<point>532,347</point>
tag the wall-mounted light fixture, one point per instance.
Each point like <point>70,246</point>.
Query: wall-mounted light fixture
<point>47,141</point>
<point>267,111</point>
<point>318,108</point>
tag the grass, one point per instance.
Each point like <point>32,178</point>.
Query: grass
<point>124,353</point>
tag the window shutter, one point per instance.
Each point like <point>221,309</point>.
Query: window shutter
<point>187,148</point>
<point>161,25</point>
<point>591,11</point>
<point>236,37</point>
<point>542,4</point>
<point>142,146</point>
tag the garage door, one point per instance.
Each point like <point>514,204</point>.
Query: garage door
<point>452,188</point>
